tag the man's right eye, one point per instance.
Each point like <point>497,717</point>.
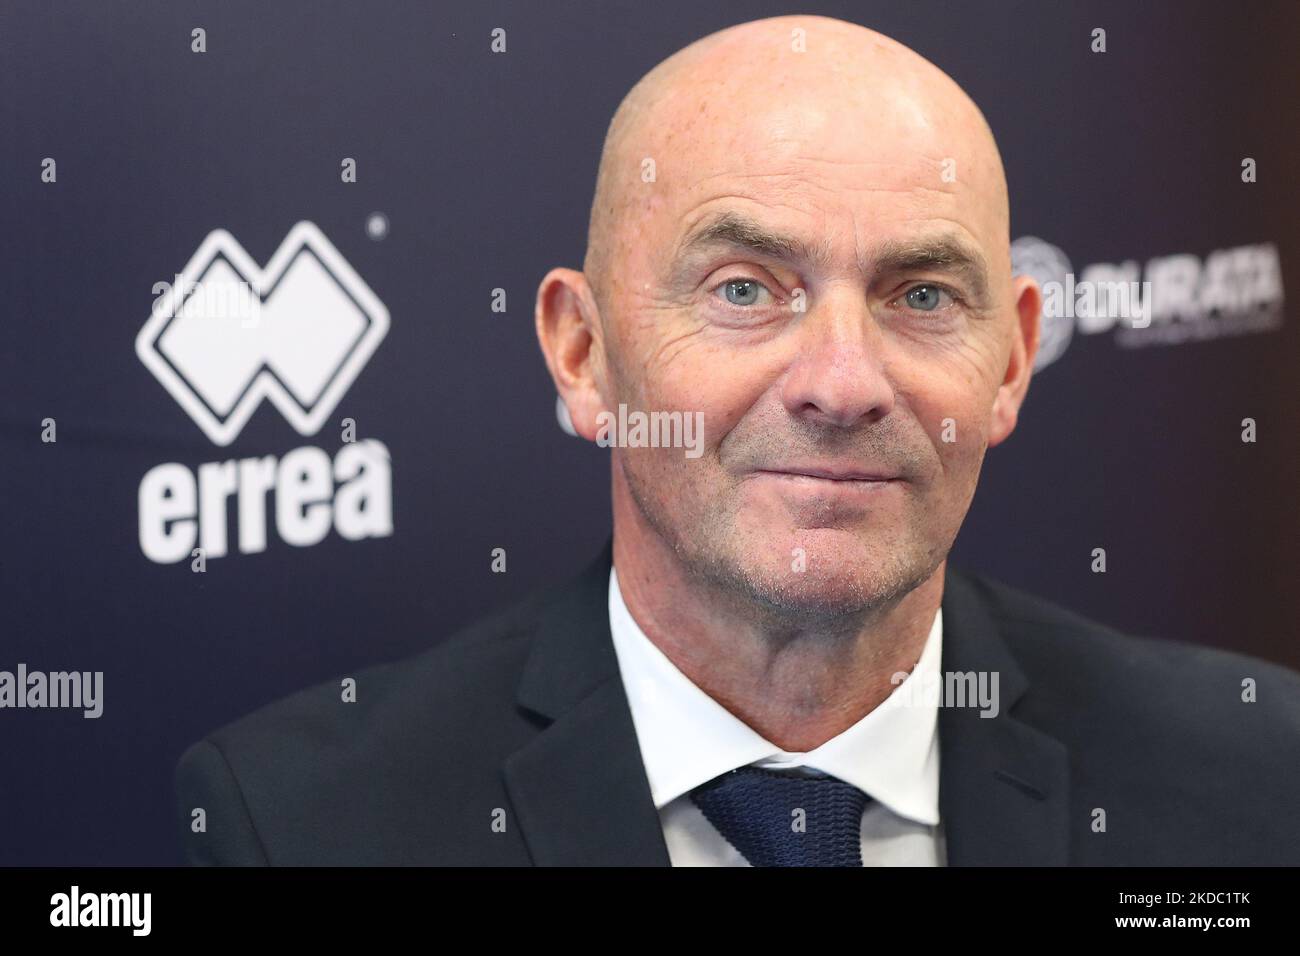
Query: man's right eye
<point>743,292</point>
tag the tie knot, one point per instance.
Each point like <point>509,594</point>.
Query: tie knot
<point>780,818</point>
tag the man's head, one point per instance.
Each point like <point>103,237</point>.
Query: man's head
<point>800,229</point>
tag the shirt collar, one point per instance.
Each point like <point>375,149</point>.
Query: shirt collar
<point>687,738</point>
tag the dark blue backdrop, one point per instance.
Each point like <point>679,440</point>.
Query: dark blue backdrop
<point>483,165</point>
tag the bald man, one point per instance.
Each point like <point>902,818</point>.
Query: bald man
<point>799,244</point>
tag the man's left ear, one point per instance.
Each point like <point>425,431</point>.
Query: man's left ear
<point>1020,363</point>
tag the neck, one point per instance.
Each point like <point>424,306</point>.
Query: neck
<point>797,682</point>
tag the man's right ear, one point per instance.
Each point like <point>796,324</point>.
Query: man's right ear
<point>568,330</point>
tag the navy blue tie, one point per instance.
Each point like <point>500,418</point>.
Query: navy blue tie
<point>759,812</point>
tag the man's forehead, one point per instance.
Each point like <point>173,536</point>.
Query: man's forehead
<point>818,202</point>
<point>839,137</point>
<point>826,166</point>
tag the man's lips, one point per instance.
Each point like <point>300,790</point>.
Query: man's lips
<point>830,472</point>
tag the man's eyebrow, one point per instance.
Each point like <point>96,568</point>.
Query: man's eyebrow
<point>943,252</point>
<point>733,229</point>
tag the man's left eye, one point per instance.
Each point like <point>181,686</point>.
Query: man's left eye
<point>926,297</point>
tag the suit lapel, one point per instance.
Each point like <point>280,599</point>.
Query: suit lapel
<point>579,789</point>
<point>1003,785</point>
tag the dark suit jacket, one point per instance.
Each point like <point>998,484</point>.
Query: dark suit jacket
<point>522,718</point>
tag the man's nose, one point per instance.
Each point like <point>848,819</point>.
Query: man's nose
<point>838,376</point>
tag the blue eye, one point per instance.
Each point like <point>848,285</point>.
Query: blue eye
<point>927,298</point>
<point>742,292</point>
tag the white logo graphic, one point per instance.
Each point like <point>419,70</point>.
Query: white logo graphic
<point>1168,301</point>
<point>315,325</point>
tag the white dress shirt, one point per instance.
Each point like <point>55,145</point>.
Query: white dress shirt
<point>687,738</point>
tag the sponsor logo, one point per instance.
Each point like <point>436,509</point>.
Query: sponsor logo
<point>300,342</point>
<point>1166,301</point>
<point>228,334</point>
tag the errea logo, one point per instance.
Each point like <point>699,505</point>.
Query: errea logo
<point>229,334</point>
<point>299,339</point>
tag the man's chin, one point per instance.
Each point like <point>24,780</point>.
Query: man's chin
<point>819,582</point>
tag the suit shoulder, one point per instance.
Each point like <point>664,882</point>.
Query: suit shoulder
<point>482,659</point>
<point>324,776</point>
<point>1036,626</point>
<point>467,680</point>
<point>1089,678</point>
<point>1180,736</point>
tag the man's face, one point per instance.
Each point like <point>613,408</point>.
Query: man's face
<point>837,300</point>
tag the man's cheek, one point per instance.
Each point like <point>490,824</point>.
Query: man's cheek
<point>962,467</point>
<point>672,469</point>
<point>708,412</point>
<point>958,435</point>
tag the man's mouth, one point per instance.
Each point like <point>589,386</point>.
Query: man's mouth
<point>848,473</point>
